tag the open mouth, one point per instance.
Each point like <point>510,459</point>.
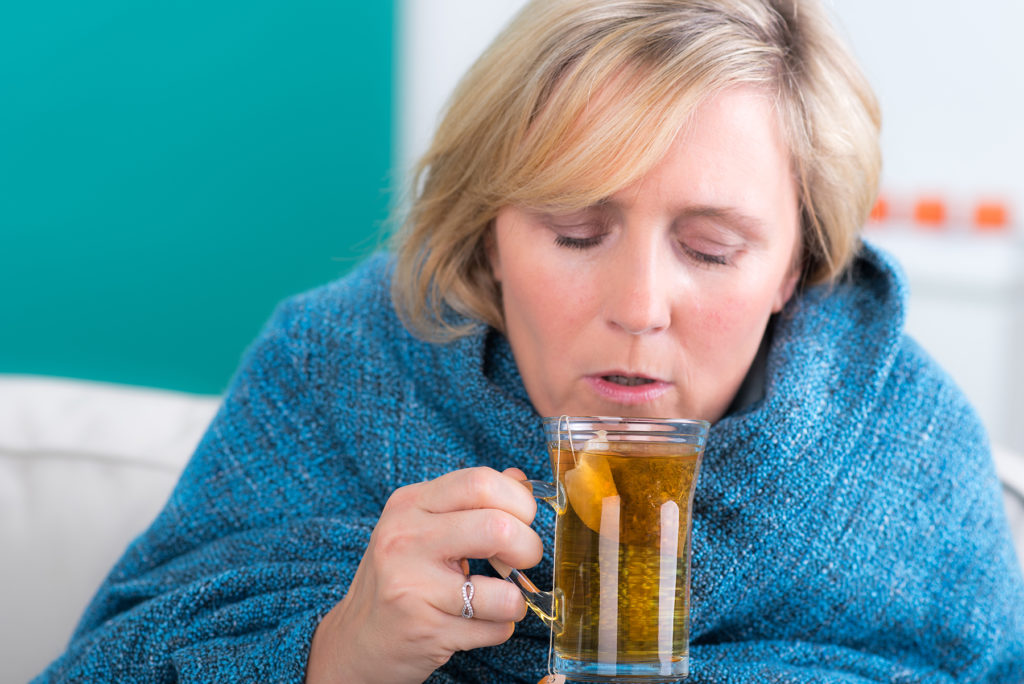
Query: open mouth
<point>627,381</point>
<point>627,389</point>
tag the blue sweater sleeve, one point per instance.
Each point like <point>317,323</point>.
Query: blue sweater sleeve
<point>253,547</point>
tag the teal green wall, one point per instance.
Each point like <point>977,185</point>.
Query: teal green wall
<point>170,171</point>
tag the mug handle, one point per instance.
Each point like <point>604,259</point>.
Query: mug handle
<point>543,603</point>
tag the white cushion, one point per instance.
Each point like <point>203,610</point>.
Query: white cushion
<point>84,468</point>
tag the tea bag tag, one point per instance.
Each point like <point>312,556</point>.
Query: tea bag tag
<point>599,442</point>
<point>589,483</point>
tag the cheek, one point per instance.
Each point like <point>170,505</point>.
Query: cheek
<point>532,300</point>
<point>543,288</point>
<point>731,322</point>
<point>535,314</point>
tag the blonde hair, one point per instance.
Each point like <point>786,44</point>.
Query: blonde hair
<point>577,99</point>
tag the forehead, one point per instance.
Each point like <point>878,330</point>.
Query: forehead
<point>624,132</point>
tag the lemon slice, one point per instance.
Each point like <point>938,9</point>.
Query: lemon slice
<point>588,485</point>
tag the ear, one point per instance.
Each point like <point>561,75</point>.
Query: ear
<point>786,289</point>
<point>491,248</point>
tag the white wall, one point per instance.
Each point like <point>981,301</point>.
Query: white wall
<point>952,102</point>
<point>438,41</point>
<point>947,74</point>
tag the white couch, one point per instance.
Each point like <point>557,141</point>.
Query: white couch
<point>84,468</point>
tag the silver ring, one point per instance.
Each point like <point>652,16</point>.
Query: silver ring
<point>467,595</point>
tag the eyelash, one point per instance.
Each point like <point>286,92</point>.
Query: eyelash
<point>578,243</point>
<point>586,243</point>
<point>706,259</point>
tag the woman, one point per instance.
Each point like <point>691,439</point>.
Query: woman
<point>631,208</point>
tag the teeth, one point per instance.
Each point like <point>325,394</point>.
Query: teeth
<point>627,381</point>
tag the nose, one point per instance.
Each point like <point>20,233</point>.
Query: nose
<point>637,289</point>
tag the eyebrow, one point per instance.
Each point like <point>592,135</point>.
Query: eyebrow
<point>750,226</point>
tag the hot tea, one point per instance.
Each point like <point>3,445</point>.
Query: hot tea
<point>622,552</point>
<point>619,609</point>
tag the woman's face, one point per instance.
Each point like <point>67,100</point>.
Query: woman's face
<point>653,302</point>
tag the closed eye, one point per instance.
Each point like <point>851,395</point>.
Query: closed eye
<point>578,243</point>
<point>704,258</point>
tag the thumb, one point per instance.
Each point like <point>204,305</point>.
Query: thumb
<point>514,473</point>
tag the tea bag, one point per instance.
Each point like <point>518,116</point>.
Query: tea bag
<point>590,482</point>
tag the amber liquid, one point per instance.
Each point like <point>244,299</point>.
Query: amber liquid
<point>622,553</point>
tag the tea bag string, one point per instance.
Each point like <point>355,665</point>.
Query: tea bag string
<point>572,447</point>
<point>558,469</point>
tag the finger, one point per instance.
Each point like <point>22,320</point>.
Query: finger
<point>415,541</point>
<point>466,635</point>
<point>552,679</point>
<point>515,474</point>
<point>503,569</point>
<point>491,600</point>
<point>485,534</point>
<point>477,488</point>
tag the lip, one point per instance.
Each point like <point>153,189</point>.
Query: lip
<point>631,396</point>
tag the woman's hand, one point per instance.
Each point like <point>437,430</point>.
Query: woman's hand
<point>402,616</point>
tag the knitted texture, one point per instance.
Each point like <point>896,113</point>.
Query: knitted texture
<point>847,526</point>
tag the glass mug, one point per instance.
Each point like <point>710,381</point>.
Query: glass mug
<point>620,607</point>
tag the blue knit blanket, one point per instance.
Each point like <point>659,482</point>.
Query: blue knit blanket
<point>847,525</point>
